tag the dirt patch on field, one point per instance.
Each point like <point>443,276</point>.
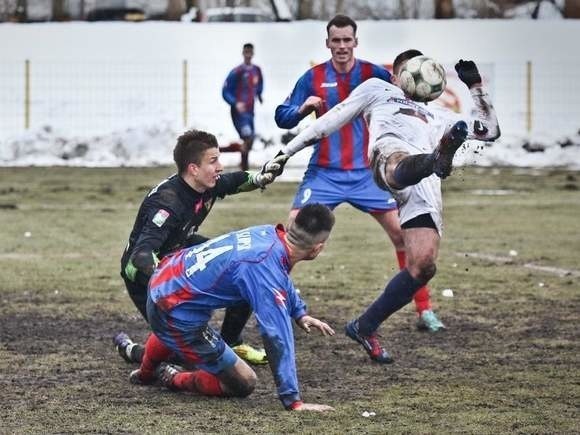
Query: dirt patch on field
<point>52,350</point>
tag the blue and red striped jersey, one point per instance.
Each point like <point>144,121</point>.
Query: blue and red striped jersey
<point>244,83</point>
<point>346,148</point>
<point>249,265</point>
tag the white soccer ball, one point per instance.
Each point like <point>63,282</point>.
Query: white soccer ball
<point>422,78</point>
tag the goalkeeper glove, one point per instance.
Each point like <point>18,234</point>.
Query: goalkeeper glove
<point>468,73</point>
<point>276,165</point>
<point>261,179</point>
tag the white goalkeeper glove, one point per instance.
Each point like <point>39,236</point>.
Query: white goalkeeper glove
<point>261,179</point>
<point>276,165</point>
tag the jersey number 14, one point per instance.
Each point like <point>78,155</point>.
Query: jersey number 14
<point>204,254</point>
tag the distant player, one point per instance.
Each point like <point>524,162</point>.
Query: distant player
<point>250,266</point>
<point>411,149</point>
<point>338,171</point>
<point>168,220</point>
<point>243,85</point>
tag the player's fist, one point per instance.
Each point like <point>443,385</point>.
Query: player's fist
<point>468,73</point>
<point>312,104</point>
<point>240,107</point>
<point>276,165</point>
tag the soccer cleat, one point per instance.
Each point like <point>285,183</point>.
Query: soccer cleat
<point>251,355</point>
<point>138,378</point>
<point>165,374</point>
<point>122,341</point>
<point>370,343</point>
<point>428,321</point>
<point>449,144</point>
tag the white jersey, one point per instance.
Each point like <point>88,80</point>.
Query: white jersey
<point>398,124</point>
<point>389,113</point>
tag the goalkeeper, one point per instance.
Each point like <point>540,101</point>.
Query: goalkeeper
<point>168,220</point>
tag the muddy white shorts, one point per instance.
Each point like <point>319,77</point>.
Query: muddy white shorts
<point>421,198</point>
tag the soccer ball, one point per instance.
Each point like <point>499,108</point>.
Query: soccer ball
<point>422,78</point>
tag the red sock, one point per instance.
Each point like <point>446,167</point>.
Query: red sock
<point>155,352</point>
<point>421,297</point>
<point>198,381</point>
<point>401,259</point>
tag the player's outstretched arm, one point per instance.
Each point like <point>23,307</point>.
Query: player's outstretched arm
<point>257,179</point>
<point>307,322</point>
<point>331,121</point>
<point>485,127</point>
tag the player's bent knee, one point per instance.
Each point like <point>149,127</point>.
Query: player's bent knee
<point>242,387</point>
<point>240,380</point>
<point>427,271</point>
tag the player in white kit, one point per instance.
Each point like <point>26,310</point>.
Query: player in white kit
<point>411,148</point>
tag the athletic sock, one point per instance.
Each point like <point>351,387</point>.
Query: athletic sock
<point>421,297</point>
<point>155,352</point>
<point>398,293</point>
<point>135,351</point>
<point>198,381</point>
<point>412,169</point>
<point>235,319</point>
<point>401,259</point>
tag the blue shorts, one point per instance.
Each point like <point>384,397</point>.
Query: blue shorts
<point>244,124</point>
<point>332,187</point>
<point>194,344</point>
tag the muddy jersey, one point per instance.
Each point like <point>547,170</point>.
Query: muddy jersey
<point>389,113</point>
<point>170,216</point>
<point>250,265</point>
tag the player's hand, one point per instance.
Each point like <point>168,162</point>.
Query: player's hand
<point>308,322</point>
<point>313,407</point>
<point>240,107</point>
<point>261,179</point>
<point>312,103</point>
<point>468,73</point>
<point>276,165</point>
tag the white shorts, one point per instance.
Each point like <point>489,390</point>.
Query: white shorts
<point>421,198</point>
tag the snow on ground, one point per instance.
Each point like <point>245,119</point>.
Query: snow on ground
<point>87,112</point>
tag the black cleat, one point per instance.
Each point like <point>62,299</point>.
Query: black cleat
<point>370,343</point>
<point>165,374</point>
<point>121,342</point>
<point>449,144</point>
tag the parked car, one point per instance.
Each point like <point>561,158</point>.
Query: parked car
<point>230,15</point>
<point>116,14</point>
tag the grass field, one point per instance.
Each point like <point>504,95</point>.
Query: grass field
<point>509,362</point>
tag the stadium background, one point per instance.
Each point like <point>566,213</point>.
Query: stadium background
<point>93,80</point>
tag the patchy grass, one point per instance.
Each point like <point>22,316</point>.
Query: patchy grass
<point>508,363</point>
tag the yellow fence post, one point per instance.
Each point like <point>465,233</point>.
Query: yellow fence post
<point>184,93</point>
<point>529,114</point>
<point>27,94</point>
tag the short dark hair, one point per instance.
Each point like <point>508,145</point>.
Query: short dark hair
<point>311,225</point>
<point>248,45</point>
<point>341,21</point>
<point>190,148</point>
<point>402,57</point>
